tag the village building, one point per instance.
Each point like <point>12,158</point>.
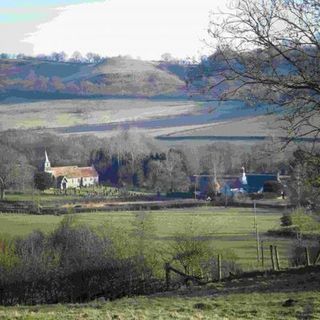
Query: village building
<point>71,176</point>
<point>250,182</point>
<point>245,183</point>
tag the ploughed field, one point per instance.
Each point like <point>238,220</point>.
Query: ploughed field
<point>229,231</point>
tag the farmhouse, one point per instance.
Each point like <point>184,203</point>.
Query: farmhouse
<point>72,176</point>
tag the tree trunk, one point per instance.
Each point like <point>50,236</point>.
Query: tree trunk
<point>2,193</point>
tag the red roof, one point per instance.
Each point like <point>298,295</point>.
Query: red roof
<point>74,172</point>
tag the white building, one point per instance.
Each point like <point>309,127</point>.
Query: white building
<point>72,176</point>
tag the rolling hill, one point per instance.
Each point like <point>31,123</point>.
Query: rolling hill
<point>112,77</point>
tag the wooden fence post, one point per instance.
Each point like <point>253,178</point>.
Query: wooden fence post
<point>277,257</point>
<point>258,244</point>
<point>272,258</point>
<point>219,267</point>
<point>306,249</point>
<point>167,270</point>
<point>317,259</point>
<point>262,254</point>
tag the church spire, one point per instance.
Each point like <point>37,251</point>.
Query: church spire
<point>47,165</point>
<point>244,177</point>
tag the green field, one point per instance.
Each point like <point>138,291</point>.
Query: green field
<point>227,229</point>
<point>235,306</point>
<point>230,230</point>
<point>51,196</point>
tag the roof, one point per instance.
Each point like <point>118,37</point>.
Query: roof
<point>256,181</point>
<point>74,172</point>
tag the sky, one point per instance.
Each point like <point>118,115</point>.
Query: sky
<point>140,28</point>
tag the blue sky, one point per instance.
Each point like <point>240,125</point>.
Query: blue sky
<point>16,11</point>
<point>139,28</point>
<point>42,3</point>
<point>18,17</point>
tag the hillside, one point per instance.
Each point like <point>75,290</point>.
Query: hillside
<point>287,296</point>
<point>121,76</point>
<point>32,78</point>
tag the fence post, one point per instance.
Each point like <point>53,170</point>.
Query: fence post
<point>262,254</point>
<point>167,270</point>
<point>277,257</point>
<point>317,259</point>
<point>219,268</point>
<point>272,258</point>
<point>258,243</point>
<point>306,249</point>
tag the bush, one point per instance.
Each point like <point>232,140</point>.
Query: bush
<point>305,223</point>
<point>286,220</point>
<point>228,268</point>
<point>43,181</point>
<point>72,264</point>
<point>272,187</point>
<point>290,232</point>
<point>190,253</point>
<point>193,254</point>
<point>298,253</point>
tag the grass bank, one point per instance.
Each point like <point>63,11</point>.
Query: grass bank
<point>234,306</point>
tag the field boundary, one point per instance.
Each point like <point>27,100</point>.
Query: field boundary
<point>122,205</point>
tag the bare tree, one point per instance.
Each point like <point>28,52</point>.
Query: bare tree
<point>14,170</point>
<point>58,56</point>
<point>130,146</point>
<point>269,51</point>
<point>76,57</point>
<point>304,183</point>
<point>176,171</point>
<point>167,57</point>
<point>93,57</point>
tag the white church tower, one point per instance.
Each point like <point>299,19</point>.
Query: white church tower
<point>47,165</point>
<point>244,177</point>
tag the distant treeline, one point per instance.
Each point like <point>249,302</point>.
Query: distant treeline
<point>130,159</point>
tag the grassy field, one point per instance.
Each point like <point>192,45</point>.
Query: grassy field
<point>234,306</point>
<point>65,113</point>
<point>54,195</point>
<point>230,230</point>
<point>226,229</point>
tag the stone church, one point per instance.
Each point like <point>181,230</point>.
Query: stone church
<point>72,176</point>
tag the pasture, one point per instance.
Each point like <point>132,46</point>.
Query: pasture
<point>228,230</point>
<point>233,306</point>
<point>86,112</point>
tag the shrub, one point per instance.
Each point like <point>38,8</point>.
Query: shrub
<point>196,257</point>
<point>290,232</point>
<point>298,253</point>
<point>8,258</point>
<point>43,180</point>
<point>304,223</point>
<point>273,187</point>
<point>190,253</point>
<point>286,220</point>
<point>229,267</point>
<point>72,264</point>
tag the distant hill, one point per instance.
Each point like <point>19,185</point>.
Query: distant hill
<point>113,76</point>
<point>119,76</point>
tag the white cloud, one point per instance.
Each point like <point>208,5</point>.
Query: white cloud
<point>144,28</point>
